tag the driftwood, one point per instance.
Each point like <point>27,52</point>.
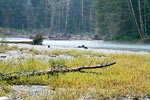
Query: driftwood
<point>17,42</point>
<point>9,76</point>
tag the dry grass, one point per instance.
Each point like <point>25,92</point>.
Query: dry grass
<point>130,76</point>
<point>5,47</point>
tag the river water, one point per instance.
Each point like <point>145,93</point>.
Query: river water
<point>94,44</point>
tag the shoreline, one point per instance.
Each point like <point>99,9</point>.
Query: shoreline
<point>92,45</point>
<point>105,51</point>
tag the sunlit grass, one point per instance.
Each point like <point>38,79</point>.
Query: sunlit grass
<point>57,52</point>
<point>5,47</point>
<point>130,76</point>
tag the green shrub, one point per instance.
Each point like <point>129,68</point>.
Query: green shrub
<point>38,39</point>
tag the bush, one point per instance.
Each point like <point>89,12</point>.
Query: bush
<point>38,39</point>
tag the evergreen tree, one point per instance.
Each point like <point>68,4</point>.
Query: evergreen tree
<point>123,19</point>
<point>57,16</point>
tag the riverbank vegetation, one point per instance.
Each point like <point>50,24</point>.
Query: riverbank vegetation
<point>128,78</point>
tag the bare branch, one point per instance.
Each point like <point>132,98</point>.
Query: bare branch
<point>52,71</point>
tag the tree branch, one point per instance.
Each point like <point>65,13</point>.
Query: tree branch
<point>52,71</point>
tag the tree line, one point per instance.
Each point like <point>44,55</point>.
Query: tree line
<point>54,16</point>
<point>123,19</point>
<point>110,19</point>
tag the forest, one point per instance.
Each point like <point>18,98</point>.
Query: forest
<point>124,20</point>
<point>54,16</point>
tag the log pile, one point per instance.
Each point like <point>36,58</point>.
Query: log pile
<point>10,76</point>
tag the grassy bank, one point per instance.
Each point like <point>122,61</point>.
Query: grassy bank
<point>129,77</point>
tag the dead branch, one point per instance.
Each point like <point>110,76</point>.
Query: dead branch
<point>9,76</point>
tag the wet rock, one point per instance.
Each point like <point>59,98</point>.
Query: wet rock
<point>53,56</point>
<point>3,56</point>
<point>136,98</point>
<point>148,96</point>
<point>85,47</point>
<point>79,46</point>
<point>82,46</point>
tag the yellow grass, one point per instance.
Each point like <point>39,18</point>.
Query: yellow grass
<point>130,76</point>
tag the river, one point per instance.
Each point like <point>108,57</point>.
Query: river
<point>93,44</point>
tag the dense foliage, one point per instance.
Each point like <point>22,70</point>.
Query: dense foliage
<point>111,19</point>
<point>53,16</point>
<point>38,39</point>
<point>123,19</point>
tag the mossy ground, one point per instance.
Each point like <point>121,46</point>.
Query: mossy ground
<point>129,77</point>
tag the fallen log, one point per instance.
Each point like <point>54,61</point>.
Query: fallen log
<point>18,42</point>
<point>9,76</point>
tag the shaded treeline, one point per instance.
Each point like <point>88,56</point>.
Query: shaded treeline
<point>54,16</point>
<point>111,19</point>
<point>123,19</point>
